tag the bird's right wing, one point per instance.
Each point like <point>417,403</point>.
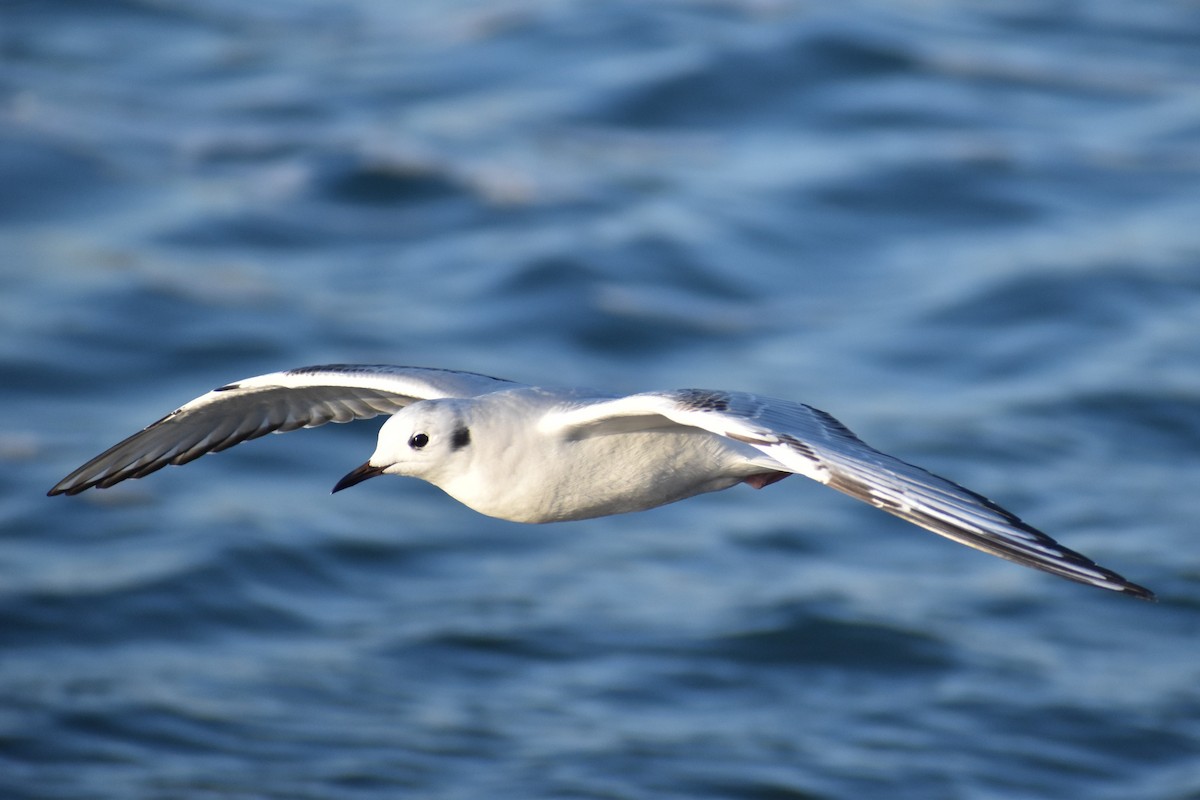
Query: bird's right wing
<point>809,442</point>
<point>278,402</point>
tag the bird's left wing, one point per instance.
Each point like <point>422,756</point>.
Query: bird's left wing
<point>810,442</point>
<point>281,401</point>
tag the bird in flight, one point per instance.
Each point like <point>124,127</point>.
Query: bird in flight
<point>532,454</point>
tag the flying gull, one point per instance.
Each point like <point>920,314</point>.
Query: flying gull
<point>532,454</point>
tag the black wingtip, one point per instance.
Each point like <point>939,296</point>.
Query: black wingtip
<point>1111,580</point>
<point>71,489</point>
<point>1140,592</point>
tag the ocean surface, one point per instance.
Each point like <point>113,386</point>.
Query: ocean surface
<point>970,230</point>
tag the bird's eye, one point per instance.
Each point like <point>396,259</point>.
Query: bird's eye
<point>418,440</point>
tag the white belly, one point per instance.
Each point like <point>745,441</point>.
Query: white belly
<point>606,474</point>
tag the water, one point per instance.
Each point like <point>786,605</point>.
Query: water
<point>967,229</point>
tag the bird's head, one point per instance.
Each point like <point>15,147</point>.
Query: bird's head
<point>425,440</point>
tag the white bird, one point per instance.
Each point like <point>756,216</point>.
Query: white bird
<point>531,454</point>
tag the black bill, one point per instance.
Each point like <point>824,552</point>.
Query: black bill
<point>357,475</point>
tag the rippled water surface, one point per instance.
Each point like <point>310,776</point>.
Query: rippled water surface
<point>969,230</point>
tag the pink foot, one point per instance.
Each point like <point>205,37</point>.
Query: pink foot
<point>764,479</point>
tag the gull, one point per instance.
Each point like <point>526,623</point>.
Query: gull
<point>533,454</point>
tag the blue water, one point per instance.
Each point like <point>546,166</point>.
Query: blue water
<point>967,229</point>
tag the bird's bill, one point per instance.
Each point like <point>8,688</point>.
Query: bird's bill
<point>357,475</point>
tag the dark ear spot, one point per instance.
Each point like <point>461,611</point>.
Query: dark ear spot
<point>460,439</point>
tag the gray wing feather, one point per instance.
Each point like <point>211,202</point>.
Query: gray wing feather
<point>278,402</point>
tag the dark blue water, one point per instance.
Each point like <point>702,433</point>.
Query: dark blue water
<point>967,229</point>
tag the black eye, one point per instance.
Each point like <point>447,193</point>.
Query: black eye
<point>418,440</point>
